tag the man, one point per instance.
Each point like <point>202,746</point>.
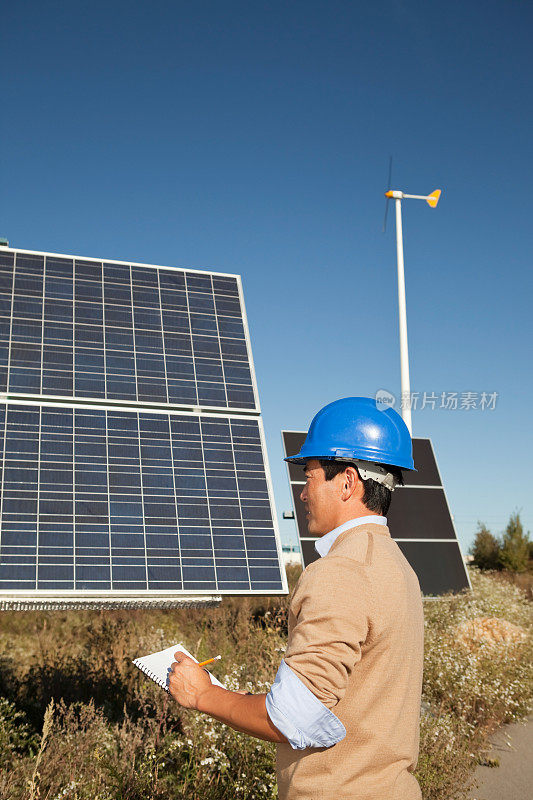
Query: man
<point>344,707</point>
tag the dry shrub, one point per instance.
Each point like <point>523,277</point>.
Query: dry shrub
<point>522,580</point>
<point>492,631</point>
<point>89,758</point>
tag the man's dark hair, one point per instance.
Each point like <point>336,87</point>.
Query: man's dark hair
<point>376,497</point>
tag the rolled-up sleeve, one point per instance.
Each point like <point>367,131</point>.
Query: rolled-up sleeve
<point>299,715</point>
<point>332,611</point>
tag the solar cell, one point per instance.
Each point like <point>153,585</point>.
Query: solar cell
<point>105,499</point>
<point>105,330</point>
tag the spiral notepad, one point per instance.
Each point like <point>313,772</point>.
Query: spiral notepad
<point>157,665</point>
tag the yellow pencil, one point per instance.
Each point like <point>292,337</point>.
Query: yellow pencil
<point>209,660</point>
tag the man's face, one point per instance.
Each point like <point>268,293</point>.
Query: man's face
<point>321,499</point>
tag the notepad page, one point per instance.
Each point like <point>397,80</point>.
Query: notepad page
<point>157,665</point>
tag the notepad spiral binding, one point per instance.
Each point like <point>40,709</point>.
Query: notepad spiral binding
<point>155,678</point>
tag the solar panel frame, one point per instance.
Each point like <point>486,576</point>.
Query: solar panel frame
<point>86,262</point>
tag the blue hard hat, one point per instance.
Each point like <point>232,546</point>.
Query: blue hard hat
<point>354,428</point>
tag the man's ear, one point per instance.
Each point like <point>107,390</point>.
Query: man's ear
<point>350,482</point>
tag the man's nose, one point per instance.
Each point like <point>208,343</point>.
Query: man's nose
<point>303,494</point>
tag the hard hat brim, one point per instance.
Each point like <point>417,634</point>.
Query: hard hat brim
<point>302,459</point>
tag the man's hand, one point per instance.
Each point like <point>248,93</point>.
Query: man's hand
<point>191,686</point>
<point>187,681</point>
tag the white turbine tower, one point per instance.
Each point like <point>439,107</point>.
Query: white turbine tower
<point>432,200</point>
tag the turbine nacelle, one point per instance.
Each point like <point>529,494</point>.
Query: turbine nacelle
<point>431,199</point>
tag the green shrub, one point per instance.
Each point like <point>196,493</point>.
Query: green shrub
<point>16,736</point>
<point>485,549</point>
<point>514,552</point>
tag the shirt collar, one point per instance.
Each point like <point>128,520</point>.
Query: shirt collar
<point>323,545</point>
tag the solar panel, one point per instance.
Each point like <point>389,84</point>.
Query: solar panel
<point>419,520</point>
<point>106,330</point>
<point>132,451</point>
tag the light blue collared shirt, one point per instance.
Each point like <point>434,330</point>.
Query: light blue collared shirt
<point>291,706</point>
<point>323,545</point>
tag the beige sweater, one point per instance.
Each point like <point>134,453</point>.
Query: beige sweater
<point>356,641</point>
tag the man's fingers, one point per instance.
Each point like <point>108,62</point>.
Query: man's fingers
<point>181,658</point>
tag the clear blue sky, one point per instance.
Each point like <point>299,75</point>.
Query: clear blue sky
<point>254,138</point>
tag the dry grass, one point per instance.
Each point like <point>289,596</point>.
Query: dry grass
<point>114,735</point>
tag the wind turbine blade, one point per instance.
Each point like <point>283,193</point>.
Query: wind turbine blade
<point>385,217</point>
<point>387,200</point>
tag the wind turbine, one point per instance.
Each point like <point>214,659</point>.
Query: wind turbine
<point>432,200</point>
